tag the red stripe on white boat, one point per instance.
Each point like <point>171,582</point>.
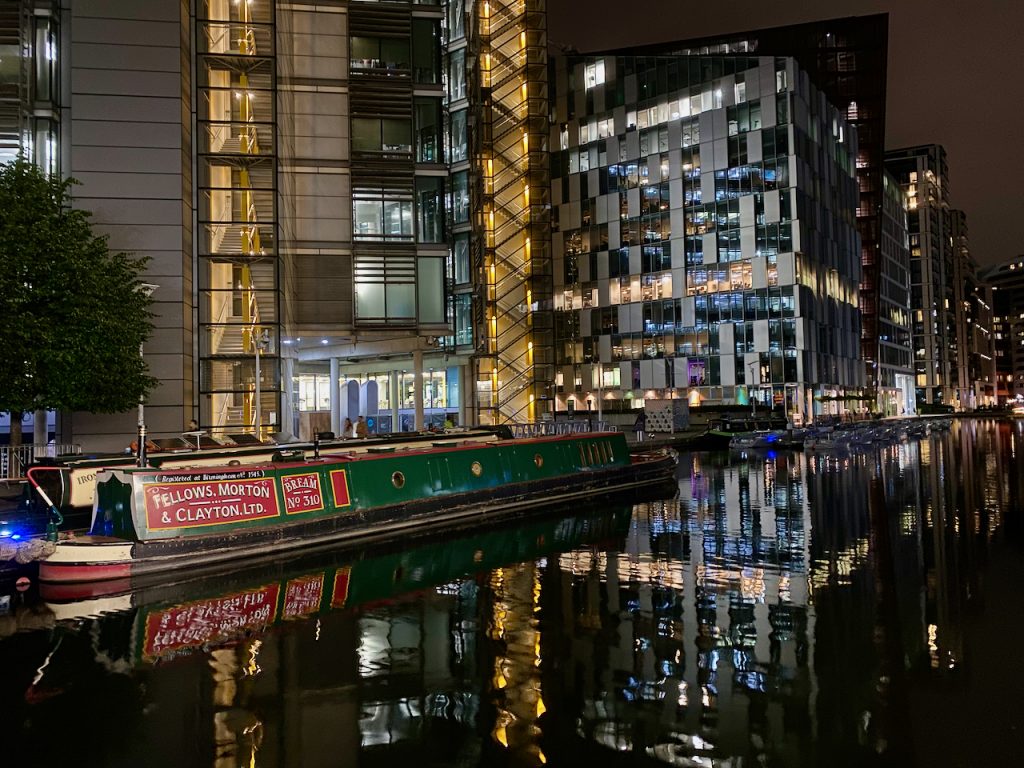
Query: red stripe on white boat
<point>69,572</point>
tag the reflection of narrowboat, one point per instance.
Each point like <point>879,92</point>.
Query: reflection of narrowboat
<point>226,606</point>
<point>148,521</point>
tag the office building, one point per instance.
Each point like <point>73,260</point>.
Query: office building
<point>846,59</point>
<point>348,209</point>
<point>287,171</point>
<point>705,240</point>
<point>30,81</point>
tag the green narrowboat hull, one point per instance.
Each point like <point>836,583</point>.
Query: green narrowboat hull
<point>149,521</point>
<point>226,607</point>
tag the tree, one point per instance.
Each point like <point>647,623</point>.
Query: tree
<point>73,313</point>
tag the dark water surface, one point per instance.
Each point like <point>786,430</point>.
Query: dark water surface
<point>784,609</point>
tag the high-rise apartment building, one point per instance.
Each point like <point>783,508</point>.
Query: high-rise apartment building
<point>1007,285</point>
<point>924,175</point>
<point>974,358</point>
<point>705,242</point>
<point>893,360</point>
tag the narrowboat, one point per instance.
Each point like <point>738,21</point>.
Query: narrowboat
<point>72,487</point>
<point>151,521</point>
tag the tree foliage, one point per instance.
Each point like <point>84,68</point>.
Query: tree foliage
<point>73,312</point>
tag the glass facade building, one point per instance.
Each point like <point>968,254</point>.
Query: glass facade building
<point>923,174</point>
<point>238,262</point>
<point>30,82</point>
<point>705,236</point>
<point>847,59</point>
<point>361,191</point>
<point>1006,281</point>
<point>896,392</point>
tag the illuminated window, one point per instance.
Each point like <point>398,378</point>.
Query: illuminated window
<point>594,74</point>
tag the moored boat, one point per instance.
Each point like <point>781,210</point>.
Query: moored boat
<point>721,432</point>
<point>72,486</point>
<point>148,521</point>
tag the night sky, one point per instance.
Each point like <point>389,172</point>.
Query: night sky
<point>956,78</point>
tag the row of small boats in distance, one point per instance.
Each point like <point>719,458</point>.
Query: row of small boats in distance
<point>842,437</point>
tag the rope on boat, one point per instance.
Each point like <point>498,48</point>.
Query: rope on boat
<point>27,551</point>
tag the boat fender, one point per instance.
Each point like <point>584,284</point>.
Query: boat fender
<point>27,551</point>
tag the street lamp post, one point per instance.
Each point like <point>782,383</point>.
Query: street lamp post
<point>262,343</point>
<point>147,289</point>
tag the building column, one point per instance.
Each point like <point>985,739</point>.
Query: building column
<point>335,396</point>
<point>394,397</point>
<point>287,387</point>
<point>417,378</point>
<point>464,395</point>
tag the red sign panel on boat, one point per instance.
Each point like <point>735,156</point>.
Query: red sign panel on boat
<point>339,484</point>
<point>302,493</point>
<point>214,502</point>
<point>195,624</point>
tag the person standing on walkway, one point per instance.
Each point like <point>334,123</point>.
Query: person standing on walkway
<point>640,426</point>
<point>361,432</point>
<point>349,430</point>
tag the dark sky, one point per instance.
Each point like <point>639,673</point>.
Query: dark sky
<point>956,78</point>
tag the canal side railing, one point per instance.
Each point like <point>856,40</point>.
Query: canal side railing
<point>15,461</point>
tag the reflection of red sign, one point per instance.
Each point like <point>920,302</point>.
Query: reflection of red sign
<point>302,596</point>
<point>212,502</point>
<point>192,625</point>
<point>339,593</point>
<point>302,493</point>
<point>339,484</point>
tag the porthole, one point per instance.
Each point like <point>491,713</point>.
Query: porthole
<point>398,480</point>
<point>476,468</point>
<point>538,460</point>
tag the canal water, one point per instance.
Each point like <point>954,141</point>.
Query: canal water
<point>785,609</point>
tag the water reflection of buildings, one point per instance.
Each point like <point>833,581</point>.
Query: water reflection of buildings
<point>704,655</point>
<point>777,612</point>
